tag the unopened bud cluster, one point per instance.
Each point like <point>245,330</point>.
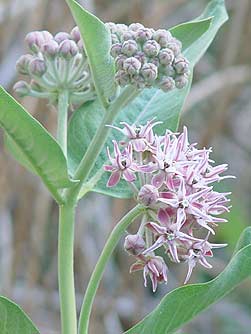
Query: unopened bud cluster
<point>147,58</point>
<point>173,180</point>
<point>55,63</point>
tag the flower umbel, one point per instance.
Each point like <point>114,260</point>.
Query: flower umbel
<point>174,180</point>
<point>55,63</point>
<point>147,58</point>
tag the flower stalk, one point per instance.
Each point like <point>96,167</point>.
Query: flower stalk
<point>97,274</point>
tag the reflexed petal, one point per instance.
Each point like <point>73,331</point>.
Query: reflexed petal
<point>129,175</point>
<point>156,228</point>
<point>113,179</point>
<point>191,265</point>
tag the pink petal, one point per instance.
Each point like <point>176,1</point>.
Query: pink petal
<point>113,179</point>
<point>158,179</point>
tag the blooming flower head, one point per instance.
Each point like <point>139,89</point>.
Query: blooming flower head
<point>174,180</point>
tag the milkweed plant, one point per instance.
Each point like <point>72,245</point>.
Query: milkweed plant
<point>119,91</point>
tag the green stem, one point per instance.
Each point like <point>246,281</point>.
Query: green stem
<point>63,101</point>
<point>96,276</point>
<point>99,140</point>
<point>65,269</point>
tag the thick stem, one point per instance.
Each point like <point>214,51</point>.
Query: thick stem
<point>65,269</point>
<point>99,140</point>
<point>63,101</point>
<point>96,276</point>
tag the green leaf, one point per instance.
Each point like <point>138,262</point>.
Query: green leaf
<point>196,36</point>
<point>182,304</point>
<point>13,320</point>
<point>32,145</point>
<point>97,40</point>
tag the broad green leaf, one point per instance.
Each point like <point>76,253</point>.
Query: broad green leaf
<point>97,40</point>
<point>32,145</point>
<point>182,304</point>
<point>151,103</point>
<point>13,320</point>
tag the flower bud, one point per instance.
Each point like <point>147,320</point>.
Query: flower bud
<point>62,36</point>
<point>37,67</point>
<point>122,78</point>
<point>149,71</point>
<point>132,65</point>
<point>181,65</point>
<point>134,244</point>
<point>115,39</point>
<point>68,49</point>
<point>143,35</point>
<point>175,45</point>
<point>119,62</point>
<point>168,70</point>
<point>138,81</point>
<point>148,195</point>
<point>167,84</point>
<point>129,48</point>
<point>166,56</point>
<point>136,26</point>
<point>181,81</point>
<point>116,49</point>
<point>50,49</point>
<point>22,64</point>
<point>112,27</point>
<point>140,55</point>
<point>75,34</point>
<point>127,35</point>
<point>162,36</point>
<point>151,48</point>
<point>36,39</point>
<point>21,88</point>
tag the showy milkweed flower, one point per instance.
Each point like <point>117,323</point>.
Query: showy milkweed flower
<point>174,180</point>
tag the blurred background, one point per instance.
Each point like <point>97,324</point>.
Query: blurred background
<point>218,114</point>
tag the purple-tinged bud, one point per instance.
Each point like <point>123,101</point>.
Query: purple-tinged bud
<point>115,39</point>
<point>166,56</point>
<point>140,55</point>
<point>167,84</point>
<point>175,45</point>
<point>148,195</point>
<point>62,36</point>
<point>75,34</point>
<point>136,26</point>
<point>127,35</point>
<point>68,49</point>
<point>36,39</point>
<point>143,35</point>
<point>168,70</point>
<point>181,65</point>
<point>134,244</point>
<point>50,49</point>
<point>116,49</point>
<point>37,67</point>
<point>132,65</point>
<point>129,48</point>
<point>155,61</point>
<point>162,36</point>
<point>122,78</point>
<point>149,71</point>
<point>121,28</point>
<point>112,27</point>
<point>151,48</point>
<point>138,81</point>
<point>119,62</point>
<point>21,88</point>
<point>23,62</point>
<point>181,81</point>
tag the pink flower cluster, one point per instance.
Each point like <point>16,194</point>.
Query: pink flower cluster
<point>173,180</point>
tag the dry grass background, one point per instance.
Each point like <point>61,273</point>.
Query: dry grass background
<point>218,112</point>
